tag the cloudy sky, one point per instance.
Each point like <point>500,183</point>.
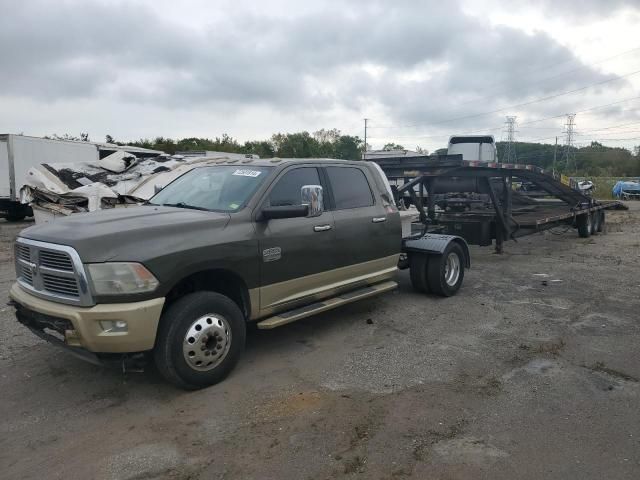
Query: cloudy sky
<point>419,70</point>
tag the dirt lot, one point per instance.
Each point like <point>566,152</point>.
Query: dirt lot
<point>531,372</point>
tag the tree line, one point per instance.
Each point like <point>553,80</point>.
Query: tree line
<point>321,144</point>
<point>595,159</point>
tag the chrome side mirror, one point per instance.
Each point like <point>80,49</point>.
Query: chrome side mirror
<point>312,196</point>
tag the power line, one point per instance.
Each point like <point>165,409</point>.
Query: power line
<point>522,124</point>
<point>511,133</point>
<point>561,74</point>
<point>512,107</point>
<point>568,146</point>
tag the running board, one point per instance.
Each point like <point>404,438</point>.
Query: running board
<point>324,305</point>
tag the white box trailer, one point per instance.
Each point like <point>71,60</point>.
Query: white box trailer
<point>18,153</point>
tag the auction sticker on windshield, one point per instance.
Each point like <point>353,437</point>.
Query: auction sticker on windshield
<point>247,173</point>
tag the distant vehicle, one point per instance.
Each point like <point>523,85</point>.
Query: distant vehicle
<point>627,189</point>
<point>587,187</point>
<point>222,246</point>
<point>18,153</point>
<point>480,148</point>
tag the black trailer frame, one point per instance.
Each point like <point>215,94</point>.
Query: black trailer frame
<point>507,214</point>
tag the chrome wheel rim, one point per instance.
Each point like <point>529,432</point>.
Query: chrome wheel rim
<point>207,342</point>
<point>452,269</point>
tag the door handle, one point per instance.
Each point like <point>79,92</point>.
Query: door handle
<point>379,219</point>
<point>321,228</point>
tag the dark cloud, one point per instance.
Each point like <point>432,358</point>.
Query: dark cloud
<point>434,61</point>
<point>577,9</point>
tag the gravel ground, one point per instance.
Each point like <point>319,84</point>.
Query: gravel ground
<point>532,371</point>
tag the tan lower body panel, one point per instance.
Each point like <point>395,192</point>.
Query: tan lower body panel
<point>285,295</point>
<point>142,320</point>
<point>312,309</point>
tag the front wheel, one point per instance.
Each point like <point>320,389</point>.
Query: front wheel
<point>200,339</point>
<point>445,272</point>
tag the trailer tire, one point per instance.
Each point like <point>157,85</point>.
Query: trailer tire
<point>596,219</point>
<point>445,272</point>
<point>215,326</point>
<point>14,217</point>
<point>418,265</point>
<point>601,221</point>
<point>584,224</point>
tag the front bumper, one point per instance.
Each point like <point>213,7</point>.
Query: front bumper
<point>85,331</point>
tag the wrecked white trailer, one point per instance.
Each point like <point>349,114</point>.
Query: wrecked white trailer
<point>60,189</point>
<point>19,153</point>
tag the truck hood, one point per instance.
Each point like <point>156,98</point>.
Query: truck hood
<point>126,234</point>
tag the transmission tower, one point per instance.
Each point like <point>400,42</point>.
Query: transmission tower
<point>569,155</point>
<point>511,137</point>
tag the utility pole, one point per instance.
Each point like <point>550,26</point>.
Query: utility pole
<point>511,134</point>
<point>569,153</point>
<point>555,151</point>
<point>365,138</point>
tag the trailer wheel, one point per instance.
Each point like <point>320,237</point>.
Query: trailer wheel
<point>601,221</point>
<point>418,264</point>
<point>584,224</point>
<point>445,272</point>
<point>595,219</point>
<point>12,217</point>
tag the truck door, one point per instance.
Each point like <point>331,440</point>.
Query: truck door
<point>368,233</point>
<point>296,253</point>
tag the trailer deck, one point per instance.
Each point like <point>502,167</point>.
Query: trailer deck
<point>485,205</point>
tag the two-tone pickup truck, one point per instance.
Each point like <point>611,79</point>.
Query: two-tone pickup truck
<point>265,241</point>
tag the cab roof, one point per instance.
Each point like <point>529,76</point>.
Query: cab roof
<point>273,162</point>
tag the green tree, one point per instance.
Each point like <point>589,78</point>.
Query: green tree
<point>392,146</point>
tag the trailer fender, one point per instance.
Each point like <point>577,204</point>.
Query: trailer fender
<point>436,244</point>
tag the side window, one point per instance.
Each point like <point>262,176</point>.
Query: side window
<point>350,187</point>
<point>287,190</point>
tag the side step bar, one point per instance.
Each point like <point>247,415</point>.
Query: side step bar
<point>324,305</point>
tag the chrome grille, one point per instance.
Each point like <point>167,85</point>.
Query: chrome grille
<point>60,285</point>
<point>52,271</point>
<point>55,260</point>
<point>26,275</point>
<point>23,252</point>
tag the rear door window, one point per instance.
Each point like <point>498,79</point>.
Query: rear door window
<point>350,187</point>
<point>288,187</point>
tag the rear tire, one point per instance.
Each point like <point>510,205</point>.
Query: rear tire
<point>15,217</point>
<point>601,221</point>
<point>418,264</point>
<point>200,339</point>
<point>445,272</point>
<point>595,222</point>
<point>584,224</point>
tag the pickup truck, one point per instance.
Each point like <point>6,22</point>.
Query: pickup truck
<point>257,241</point>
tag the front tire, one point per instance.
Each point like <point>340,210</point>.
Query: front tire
<point>200,339</point>
<point>445,272</point>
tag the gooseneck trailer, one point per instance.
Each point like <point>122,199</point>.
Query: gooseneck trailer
<point>477,201</point>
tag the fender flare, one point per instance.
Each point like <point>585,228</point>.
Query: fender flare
<point>436,244</point>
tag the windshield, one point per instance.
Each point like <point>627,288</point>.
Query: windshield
<point>221,188</point>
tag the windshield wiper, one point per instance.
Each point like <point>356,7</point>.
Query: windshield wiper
<point>184,205</point>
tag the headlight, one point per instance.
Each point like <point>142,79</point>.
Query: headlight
<point>113,278</point>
